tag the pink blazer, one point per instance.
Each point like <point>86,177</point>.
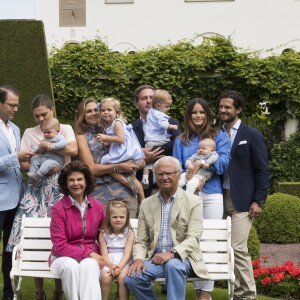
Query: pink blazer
<point>72,235</point>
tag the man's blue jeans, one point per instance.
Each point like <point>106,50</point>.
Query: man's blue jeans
<point>175,271</point>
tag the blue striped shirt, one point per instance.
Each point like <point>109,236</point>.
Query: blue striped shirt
<point>165,242</point>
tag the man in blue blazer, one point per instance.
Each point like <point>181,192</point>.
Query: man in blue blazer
<point>245,184</point>
<point>142,98</point>
<point>11,181</point>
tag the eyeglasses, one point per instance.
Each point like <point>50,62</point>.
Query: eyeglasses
<point>13,106</point>
<point>168,174</point>
<point>96,110</point>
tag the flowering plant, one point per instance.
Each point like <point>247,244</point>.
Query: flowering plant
<point>277,281</point>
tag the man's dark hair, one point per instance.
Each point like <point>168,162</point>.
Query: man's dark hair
<point>238,100</point>
<point>4,89</point>
<point>140,88</point>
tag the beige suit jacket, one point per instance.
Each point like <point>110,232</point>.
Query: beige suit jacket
<point>186,229</point>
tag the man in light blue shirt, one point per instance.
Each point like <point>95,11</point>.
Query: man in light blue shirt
<point>11,181</point>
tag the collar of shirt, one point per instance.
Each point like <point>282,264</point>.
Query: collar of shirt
<point>9,133</point>
<point>83,206</point>
<point>171,199</point>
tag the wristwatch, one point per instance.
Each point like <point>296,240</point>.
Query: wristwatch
<point>261,203</point>
<point>176,255</point>
<point>202,162</point>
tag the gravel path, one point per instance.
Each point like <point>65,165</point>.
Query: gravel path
<point>278,253</point>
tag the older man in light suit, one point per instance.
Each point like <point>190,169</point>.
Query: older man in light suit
<point>167,243</point>
<point>11,182</point>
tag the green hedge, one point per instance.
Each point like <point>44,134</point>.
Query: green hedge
<point>90,68</point>
<point>279,222</point>
<point>24,64</point>
<point>285,162</point>
<point>292,188</point>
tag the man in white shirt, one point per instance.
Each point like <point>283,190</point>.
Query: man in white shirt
<point>11,181</point>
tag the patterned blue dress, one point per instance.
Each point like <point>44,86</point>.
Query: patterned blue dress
<point>107,188</point>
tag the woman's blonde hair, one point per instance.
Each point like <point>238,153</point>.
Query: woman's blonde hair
<point>117,107</point>
<point>80,123</point>
<point>160,96</point>
<point>111,205</point>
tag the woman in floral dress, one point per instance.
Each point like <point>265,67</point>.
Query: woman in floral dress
<point>90,151</point>
<point>37,200</point>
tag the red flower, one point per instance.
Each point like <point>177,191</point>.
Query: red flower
<point>278,277</point>
<point>266,281</point>
<point>256,263</point>
<point>256,272</point>
<point>264,271</point>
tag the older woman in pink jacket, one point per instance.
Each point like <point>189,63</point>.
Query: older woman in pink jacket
<point>75,223</point>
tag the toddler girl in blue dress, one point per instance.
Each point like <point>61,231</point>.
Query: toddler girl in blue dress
<point>123,144</point>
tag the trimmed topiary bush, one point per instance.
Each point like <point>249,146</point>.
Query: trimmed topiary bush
<point>279,222</point>
<point>24,64</point>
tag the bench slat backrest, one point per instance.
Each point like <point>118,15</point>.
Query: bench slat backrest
<point>36,244</point>
<point>214,243</point>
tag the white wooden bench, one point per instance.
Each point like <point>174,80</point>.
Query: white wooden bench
<point>217,251</point>
<point>30,256</point>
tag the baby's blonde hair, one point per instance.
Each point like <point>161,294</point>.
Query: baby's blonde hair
<point>210,142</point>
<point>117,107</point>
<point>160,96</point>
<point>52,123</point>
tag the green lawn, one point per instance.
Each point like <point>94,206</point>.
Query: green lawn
<point>28,290</point>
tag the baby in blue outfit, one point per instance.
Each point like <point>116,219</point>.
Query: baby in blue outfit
<point>44,161</point>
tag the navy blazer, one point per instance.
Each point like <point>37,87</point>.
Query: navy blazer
<point>168,147</point>
<point>248,168</point>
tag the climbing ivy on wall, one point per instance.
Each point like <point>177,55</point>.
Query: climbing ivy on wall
<point>186,70</point>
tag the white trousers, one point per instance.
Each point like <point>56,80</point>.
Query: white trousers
<point>212,209</point>
<point>79,280</point>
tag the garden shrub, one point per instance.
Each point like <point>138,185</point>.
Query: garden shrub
<point>292,188</point>
<point>285,162</point>
<point>253,244</point>
<point>279,222</point>
<point>24,64</point>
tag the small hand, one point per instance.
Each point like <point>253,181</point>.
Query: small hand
<point>205,166</point>
<point>101,138</point>
<point>55,169</point>
<point>255,210</point>
<point>43,146</point>
<point>51,147</point>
